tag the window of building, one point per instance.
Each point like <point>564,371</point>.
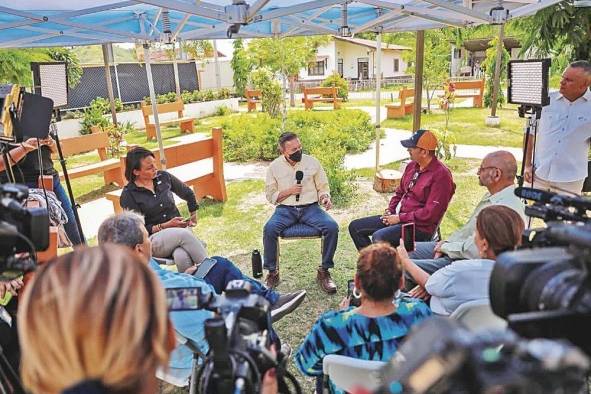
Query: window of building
<point>340,67</point>
<point>396,65</point>
<point>316,68</point>
<point>457,53</point>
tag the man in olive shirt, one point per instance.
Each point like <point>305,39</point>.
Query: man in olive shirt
<point>298,202</point>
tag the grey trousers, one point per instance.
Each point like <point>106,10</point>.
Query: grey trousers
<point>180,244</point>
<point>423,257</point>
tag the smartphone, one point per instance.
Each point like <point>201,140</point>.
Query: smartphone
<point>182,298</point>
<point>408,236</point>
<point>352,300</point>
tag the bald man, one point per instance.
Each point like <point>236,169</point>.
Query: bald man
<point>497,173</point>
<point>564,135</point>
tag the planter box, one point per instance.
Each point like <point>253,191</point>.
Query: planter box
<point>71,127</point>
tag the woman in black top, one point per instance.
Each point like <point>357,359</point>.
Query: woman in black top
<point>150,192</point>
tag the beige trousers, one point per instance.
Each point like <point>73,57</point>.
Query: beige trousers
<point>180,244</point>
<point>574,187</point>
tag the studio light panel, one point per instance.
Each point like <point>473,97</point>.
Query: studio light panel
<point>51,81</point>
<point>528,82</point>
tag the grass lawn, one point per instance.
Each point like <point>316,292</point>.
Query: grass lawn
<point>235,228</point>
<point>467,126</point>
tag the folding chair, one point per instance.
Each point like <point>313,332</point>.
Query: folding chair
<point>477,315</point>
<point>183,377</point>
<point>348,373</point>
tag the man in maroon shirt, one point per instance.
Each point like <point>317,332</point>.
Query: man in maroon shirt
<point>421,198</point>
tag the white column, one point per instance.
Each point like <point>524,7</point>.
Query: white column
<point>378,96</point>
<point>154,104</point>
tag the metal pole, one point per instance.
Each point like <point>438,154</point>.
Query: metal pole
<point>419,57</point>
<point>175,67</point>
<point>154,104</point>
<point>497,77</point>
<point>378,96</point>
<point>218,81</point>
<point>107,60</point>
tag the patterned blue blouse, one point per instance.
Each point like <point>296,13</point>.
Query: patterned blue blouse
<point>350,334</point>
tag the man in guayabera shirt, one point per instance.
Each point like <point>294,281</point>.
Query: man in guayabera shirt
<point>298,202</point>
<point>421,198</point>
<point>497,173</point>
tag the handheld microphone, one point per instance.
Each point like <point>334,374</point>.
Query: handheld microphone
<point>299,177</point>
<point>546,197</point>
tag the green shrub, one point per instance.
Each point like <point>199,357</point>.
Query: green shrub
<point>208,95</point>
<point>187,96</point>
<point>271,93</point>
<point>326,135</point>
<point>222,110</point>
<point>340,82</point>
<point>224,93</point>
<point>93,115</point>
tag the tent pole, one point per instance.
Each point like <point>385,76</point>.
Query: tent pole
<point>378,96</point>
<point>154,104</point>
<point>497,77</point>
<point>109,82</point>
<point>419,57</point>
<point>175,69</point>
<point>218,81</point>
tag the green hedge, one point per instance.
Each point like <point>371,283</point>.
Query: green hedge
<point>326,135</point>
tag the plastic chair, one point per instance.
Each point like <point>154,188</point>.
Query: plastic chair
<point>477,315</point>
<point>348,373</point>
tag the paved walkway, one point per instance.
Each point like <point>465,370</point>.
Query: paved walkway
<point>94,212</point>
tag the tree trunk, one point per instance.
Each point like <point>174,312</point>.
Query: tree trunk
<point>292,90</point>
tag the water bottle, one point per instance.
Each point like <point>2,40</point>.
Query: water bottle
<point>257,264</point>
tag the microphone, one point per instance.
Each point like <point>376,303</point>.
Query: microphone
<point>545,197</point>
<point>299,177</point>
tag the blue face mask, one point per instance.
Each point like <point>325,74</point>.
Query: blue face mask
<point>296,156</point>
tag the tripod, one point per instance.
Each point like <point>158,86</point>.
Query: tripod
<point>53,132</point>
<point>533,119</point>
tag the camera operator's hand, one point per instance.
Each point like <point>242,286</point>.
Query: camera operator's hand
<point>49,142</point>
<point>270,384</point>
<point>30,145</point>
<point>528,173</point>
<point>10,287</point>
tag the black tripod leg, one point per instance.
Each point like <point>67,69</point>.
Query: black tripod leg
<point>69,188</point>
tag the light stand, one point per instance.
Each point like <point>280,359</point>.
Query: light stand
<point>528,87</point>
<point>533,119</point>
<point>53,132</point>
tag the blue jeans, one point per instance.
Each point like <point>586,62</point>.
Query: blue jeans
<point>312,215</point>
<point>70,227</point>
<point>361,229</point>
<point>225,271</point>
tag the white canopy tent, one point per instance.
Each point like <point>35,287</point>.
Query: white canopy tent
<point>36,23</point>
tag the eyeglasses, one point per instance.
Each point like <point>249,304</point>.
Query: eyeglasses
<point>480,169</point>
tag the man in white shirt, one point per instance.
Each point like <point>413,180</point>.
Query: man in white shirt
<point>298,202</point>
<point>562,146</point>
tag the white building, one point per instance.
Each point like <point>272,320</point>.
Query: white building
<point>355,58</point>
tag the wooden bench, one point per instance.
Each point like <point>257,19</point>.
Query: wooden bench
<point>204,182</point>
<point>185,123</point>
<point>404,107</point>
<point>470,89</point>
<point>252,98</point>
<point>325,95</point>
<point>110,168</point>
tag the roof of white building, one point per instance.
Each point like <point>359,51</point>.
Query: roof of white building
<point>372,44</point>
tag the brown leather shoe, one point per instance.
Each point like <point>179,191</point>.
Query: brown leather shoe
<point>272,279</point>
<point>325,281</point>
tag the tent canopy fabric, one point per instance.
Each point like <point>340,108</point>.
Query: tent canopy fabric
<point>36,23</point>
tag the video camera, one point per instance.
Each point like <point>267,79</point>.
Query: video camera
<point>21,230</point>
<point>544,290</point>
<point>239,338</point>
<point>460,361</point>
